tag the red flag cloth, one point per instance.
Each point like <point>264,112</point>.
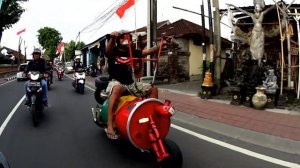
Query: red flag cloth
<point>121,10</point>
<point>60,48</point>
<point>21,31</point>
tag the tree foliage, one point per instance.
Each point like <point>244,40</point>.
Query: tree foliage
<point>10,14</point>
<point>70,49</point>
<point>49,38</point>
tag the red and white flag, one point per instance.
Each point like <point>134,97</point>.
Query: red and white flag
<point>122,9</point>
<point>60,48</point>
<point>21,31</point>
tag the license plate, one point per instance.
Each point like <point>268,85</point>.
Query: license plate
<point>81,81</point>
<point>34,84</point>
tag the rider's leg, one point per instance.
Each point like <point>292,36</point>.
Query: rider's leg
<point>45,91</point>
<point>116,93</point>
<point>26,94</point>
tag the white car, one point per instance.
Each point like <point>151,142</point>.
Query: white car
<point>21,71</point>
<point>68,68</point>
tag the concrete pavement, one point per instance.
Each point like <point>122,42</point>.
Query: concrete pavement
<point>276,129</point>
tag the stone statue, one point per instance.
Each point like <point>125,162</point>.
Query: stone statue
<point>271,81</point>
<point>257,36</point>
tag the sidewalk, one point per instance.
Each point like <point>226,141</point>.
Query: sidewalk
<point>277,122</point>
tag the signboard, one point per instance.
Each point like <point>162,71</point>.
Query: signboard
<point>78,52</point>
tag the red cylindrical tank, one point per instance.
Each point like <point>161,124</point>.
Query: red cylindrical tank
<point>133,120</point>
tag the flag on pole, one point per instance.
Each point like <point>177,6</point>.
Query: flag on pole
<point>21,31</point>
<point>122,9</point>
<point>60,48</point>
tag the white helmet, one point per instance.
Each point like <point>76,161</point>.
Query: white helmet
<point>77,57</point>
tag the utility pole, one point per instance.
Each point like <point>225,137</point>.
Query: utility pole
<point>217,43</point>
<point>211,40</point>
<point>151,29</point>
<point>203,41</point>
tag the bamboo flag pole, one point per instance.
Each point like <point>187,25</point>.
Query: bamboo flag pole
<point>135,27</point>
<point>282,57</point>
<point>297,18</point>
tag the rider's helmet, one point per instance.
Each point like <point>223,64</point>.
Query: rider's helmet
<point>121,41</point>
<point>37,51</point>
<point>36,54</point>
<point>77,58</point>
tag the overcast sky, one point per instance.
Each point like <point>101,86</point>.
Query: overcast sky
<point>71,16</point>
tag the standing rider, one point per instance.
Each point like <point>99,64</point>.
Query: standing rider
<point>117,52</point>
<point>37,64</point>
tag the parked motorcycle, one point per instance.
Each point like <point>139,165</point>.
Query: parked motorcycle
<point>91,71</point>
<point>145,122</point>
<point>60,73</point>
<point>35,92</point>
<point>79,80</point>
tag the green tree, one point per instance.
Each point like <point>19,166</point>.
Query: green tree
<point>49,38</point>
<point>10,14</point>
<point>70,49</point>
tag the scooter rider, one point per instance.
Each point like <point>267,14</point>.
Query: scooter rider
<point>50,69</point>
<point>121,78</point>
<point>37,64</point>
<point>77,64</point>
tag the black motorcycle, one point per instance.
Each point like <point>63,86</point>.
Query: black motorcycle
<point>91,71</point>
<point>35,94</point>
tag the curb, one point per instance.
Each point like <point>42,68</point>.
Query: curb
<point>11,78</point>
<point>248,136</point>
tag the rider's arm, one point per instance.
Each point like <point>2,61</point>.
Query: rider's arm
<point>28,67</point>
<point>110,44</point>
<point>153,50</point>
<point>150,51</point>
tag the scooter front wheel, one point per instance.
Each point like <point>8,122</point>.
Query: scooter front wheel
<point>34,115</point>
<point>175,156</point>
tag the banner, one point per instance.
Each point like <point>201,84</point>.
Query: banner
<point>60,48</point>
<point>122,9</point>
<point>21,31</point>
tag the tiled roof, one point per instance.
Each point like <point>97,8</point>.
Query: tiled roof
<point>182,27</point>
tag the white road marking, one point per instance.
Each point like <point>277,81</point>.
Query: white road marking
<point>7,82</point>
<point>238,149</point>
<point>10,115</point>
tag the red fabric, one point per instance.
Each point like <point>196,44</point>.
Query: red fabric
<point>60,48</point>
<point>121,10</point>
<point>21,31</point>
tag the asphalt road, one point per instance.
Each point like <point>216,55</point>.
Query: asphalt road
<point>67,138</point>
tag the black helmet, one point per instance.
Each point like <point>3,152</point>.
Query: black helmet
<point>37,51</point>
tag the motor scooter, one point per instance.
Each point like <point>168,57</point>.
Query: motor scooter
<point>34,92</point>
<point>79,80</point>
<point>144,122</point>
<point>60,73</point>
